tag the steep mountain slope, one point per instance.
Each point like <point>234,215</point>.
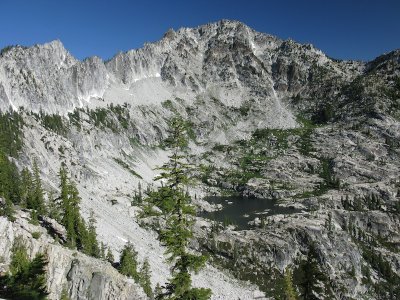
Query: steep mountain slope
<point>269,118</point>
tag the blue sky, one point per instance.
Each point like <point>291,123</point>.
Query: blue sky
<point>352,29</point>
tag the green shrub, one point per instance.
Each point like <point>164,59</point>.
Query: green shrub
<point>11,133</point>
<point>26,279</point>
<point>36,235</point>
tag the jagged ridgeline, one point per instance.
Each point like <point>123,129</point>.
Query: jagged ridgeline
<point>315,139</point>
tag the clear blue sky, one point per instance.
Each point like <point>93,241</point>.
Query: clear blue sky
<point>352,29</point>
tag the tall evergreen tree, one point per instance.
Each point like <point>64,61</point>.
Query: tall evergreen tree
<point>27,190</point>
<point>11,134</point>
<point>288,288</point>
<point>38,193</point>
<point>110,256</point>
<point>70,204</point>
<point>54,207</point>
<point>313,277</point>
<point>128,262</point>
<point>10,144</point>
<point>284,287</point>
<point>9,185</point>
<point>144,278</point>
<point>175,203</point>
<point>7,209</point>
<point>78,234</point>
<point>91,246</point>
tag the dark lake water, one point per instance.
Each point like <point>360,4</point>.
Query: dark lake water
<point>240,210</point>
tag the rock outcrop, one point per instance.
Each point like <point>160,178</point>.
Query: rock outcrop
<point>82,277</point>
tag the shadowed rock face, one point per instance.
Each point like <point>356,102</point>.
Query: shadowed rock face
<point>270,118</point>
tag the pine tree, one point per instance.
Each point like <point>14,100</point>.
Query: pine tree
<point>70,220</point>
<point>27,279</point>
<point>78,234</point>
<point>289,290</point>
<point>102,250</point>
<point>91,245</point>
<point>38,198</point>
<point>10,144</point>
<point>312,275</point>
<point>158,290</point>
<point>145,278</point>
<point>9,186</point>
<point>284,289</point>
<point>11,133</point>
<point>19,258</point>
<point>54,207</point>
<point>175,203</point>
<point>26,188</point>
<point>7,209</point>
<point>62,174</point>
<point>138,197</point>
<point>110,256</point>
<point>128,262</point>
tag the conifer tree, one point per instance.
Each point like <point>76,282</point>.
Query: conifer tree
<point>78,234</point>
<point>91,244</point>
<point>32,191</point>
<point>144,278</point>
<point>284,289</point>
<point>9,186</point>
<point>54,207</point>
<point>158,290</point>
<point>19,258</point>
<point>26,187</point>
<point>289,290</point>
<point>102,250</point>
<point>128,262</point>
<point>7,209</point>
<point>70,205</point>
<point>10,144</point>
<point>312,275</point>
<point>175,203</point>
<point>26,279</point>
<point>38,198</point>
<point>110,256</point>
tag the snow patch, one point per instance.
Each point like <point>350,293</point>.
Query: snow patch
<point>122,239</point>
<point>147,76</point>
<point>92,94</point>
<point>253,46</point>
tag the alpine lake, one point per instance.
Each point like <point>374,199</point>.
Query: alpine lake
<point>240,211</point>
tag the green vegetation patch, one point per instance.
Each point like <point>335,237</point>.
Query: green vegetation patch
<point>126,167</point>
<point>11,134</point>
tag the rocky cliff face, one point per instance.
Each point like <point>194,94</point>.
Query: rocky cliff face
<point>226,60</point>
<point>80,276</point>
<point>269,118</point>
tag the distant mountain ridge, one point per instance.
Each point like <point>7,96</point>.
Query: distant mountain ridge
<point>226,58</point>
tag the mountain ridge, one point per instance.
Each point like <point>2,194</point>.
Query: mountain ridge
<point>153,60</point>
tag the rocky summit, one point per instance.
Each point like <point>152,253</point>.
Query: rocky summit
<point>268,118</point>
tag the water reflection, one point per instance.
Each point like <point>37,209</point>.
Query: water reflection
<point>240,211</point>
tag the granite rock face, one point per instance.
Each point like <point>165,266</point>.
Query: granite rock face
<point>82,277</point>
